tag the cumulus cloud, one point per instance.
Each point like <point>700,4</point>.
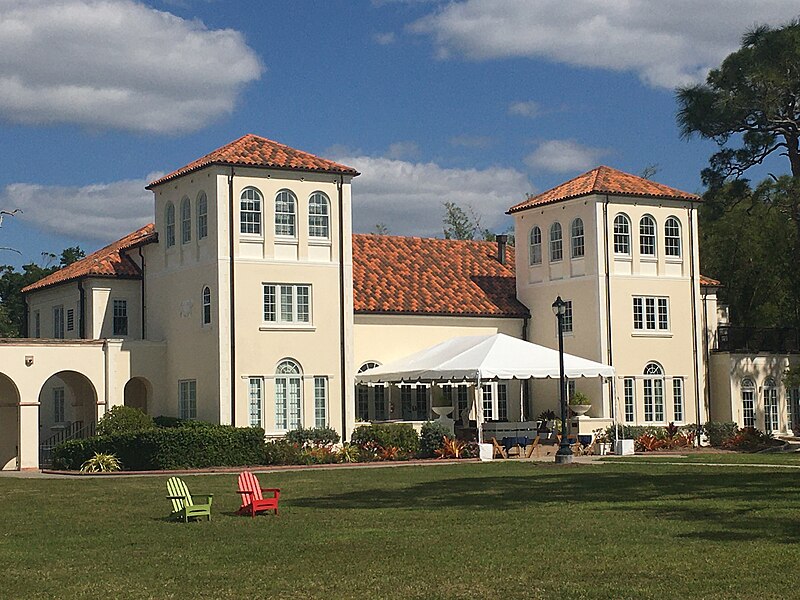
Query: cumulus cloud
<point>385,38</point>
<point>401,150</point>
<point>101,212</point>
<point>529,109</point>
<point>408,196</point>
<point>564,156</point>
<point>117,64</point>
<point>665,43</point>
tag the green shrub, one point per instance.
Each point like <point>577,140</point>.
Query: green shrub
<point>101,463</point>
<point>719,432</point>
<point>579,398</point>
<point>169,448</point>
<point>124,419</point>
<point>281,452</point>
<point>431,438</point>
<point>164,421</point>
<point>313,436</point>
<point>317,455</point>
<point>633,432</point>
<point>387,435</point>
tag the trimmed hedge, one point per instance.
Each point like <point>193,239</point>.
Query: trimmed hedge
<point>719,432</point>
<point>124,419</point>
<point>387,435</point>
<point>431,438</point>
<point>169,448</point>
<point>313,436</point>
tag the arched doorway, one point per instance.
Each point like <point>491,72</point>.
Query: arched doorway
<point>9,423</point>
<point>67,410</point>
<point>137,392</point>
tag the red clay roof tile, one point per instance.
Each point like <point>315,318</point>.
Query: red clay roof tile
<point>110,261</point>
<point>403,275</point>
<point>709,281</point>
<point>604,180</point>
<point>254,151</point>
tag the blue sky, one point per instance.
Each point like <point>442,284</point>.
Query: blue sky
<point>476,102</point>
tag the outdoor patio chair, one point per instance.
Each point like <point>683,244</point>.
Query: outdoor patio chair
<point>498,449</point>
<point>253,501</point>
<point>533,447</point>
<point>183,505</point>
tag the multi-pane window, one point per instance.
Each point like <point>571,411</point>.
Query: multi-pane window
<point>650,313</point>
<point>58,322</point>
<point>577,238</point>
<point>255,399</point>
<point>792,408</point>
<point>187,399</point>
<point>362,403</point>
<point>37,324</point>
<point>622,234</point>
<point>494,400</point>
<point>120,320</point>
<point>653,393</point>
<point>672,237</point>
<point>771,406</point>
<point>288,395</point>
<point>366,392</point>
<point>70,319</point>
<point>566,320</point>
<point>380,411</point>
<point>285,213</point>
<point>186,221</point>
<point>535,246</point>
<point>202,216</point>
<point>287,303</point>
<point>748,403</point>
<point>206,305</point>
<point>628,386</point>
<point>58,405</point>
<point>486,399</point>
<point>414,402</point>
<point>556,251</point>
<point>318,218</point>
<point>461,400</point>
<point>321,401</point>
<point>170,221</point>
<point>677,400</point>
<point>647,236</point>
<point>250,204</point>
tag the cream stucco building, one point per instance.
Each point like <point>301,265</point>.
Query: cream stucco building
<point>249,301</point>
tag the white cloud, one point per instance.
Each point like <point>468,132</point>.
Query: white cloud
<point>101,212</point>
<point>385,38</point>
<point>564,156</point>
<point>117,64</point>
<point>667,43</point>
<point>529,109</point>
<point>408,196</point>
<point>401,150</point>
<point>472,141</point>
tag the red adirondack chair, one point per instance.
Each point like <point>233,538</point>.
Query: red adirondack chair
<point>253,501</point>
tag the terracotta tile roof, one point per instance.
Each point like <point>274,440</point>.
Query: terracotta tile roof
<point>708,281</point>
<point>604,180</point>
<point>254,151</point>
<point>409,275</point>
<point>110,261</point>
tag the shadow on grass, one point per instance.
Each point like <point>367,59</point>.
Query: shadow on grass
<point>724,506</point>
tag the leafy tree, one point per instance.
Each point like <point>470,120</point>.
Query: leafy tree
<point>380,229</point>
<point>463,224</point>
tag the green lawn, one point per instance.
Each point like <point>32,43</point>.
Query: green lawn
<point>491,531</point>
<point>767,458</point>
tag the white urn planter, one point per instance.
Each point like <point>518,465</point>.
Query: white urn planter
<point>580,409</point>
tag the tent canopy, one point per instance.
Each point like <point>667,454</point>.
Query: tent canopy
<point>484,358</point>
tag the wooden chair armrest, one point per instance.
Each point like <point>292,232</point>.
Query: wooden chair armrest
<point>176,497</point>
<point>247,492</point>
<point>270,489</point>
<point>209,496</point>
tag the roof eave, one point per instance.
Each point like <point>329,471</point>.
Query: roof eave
<point>442,314</point>
<point>522,207</point>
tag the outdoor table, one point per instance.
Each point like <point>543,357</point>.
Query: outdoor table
<point>511,442</point>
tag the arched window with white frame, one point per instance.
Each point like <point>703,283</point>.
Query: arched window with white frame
<point>556,250</point>
<point>186,221</point>
<point>319,216</point>
<point>748,403</point>
<point>535,246</point>
<point>202,215</point>
<point>577,238</point>
<point>169,218</point>
<point>206,305</point>
<point>771,422</point>
<point>250,204</point>
<point>672,237</point>
<point>653,393</point>
<point>647,236</point>
<point>285,214</point>
<point>622,234</point>
<point>288,395</point>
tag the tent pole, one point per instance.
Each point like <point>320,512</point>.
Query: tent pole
<point>479,409</point>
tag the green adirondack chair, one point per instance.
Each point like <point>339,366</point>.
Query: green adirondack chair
<point>183,506</point>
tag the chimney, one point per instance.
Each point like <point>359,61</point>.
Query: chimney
<point>502,240</point>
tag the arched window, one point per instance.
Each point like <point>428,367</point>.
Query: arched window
<point>622,234</point>
<point>285,213</point>
<point>202,215</point>
<point>577,238</point>
<point>672,237</point>
<point>556,251</point>
<point>647,236</point>
<point>206,305</point>
<point>654,393</point>
<point>288,395</point>
<point>186,221</point>
<point>318,216</point>
<point>365,393</point>
<point>771,405</point>
<point>170,219</point>
<point>748,403</point>
<point>535,246</point>
<point>250,211</point>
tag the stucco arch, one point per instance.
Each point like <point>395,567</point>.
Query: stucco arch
<point>80,399</point>
<point>138,391</point>
<point>9,423</point>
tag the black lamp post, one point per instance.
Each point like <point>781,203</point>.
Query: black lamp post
<point>564,454</point>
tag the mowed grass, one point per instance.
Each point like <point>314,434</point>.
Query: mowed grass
<point>490,531</point>
<point>758,458</point>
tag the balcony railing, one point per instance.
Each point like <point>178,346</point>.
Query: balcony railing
<point>757,339</point>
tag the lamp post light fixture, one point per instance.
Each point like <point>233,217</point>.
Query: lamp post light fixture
<point>564,454</point>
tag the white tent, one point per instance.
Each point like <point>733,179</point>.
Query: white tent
<point>483,358</point>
